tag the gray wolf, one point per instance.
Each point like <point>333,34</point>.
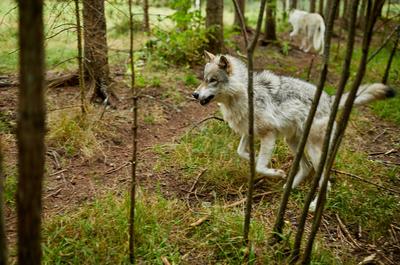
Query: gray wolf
<point>281,106</point>
<point>310,27</point>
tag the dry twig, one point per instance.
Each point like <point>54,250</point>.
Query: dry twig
<point>165,260</point>
<point>200,221</point>
<point>244,199</point>
<point>118,168</point>
<point>197,179</point>
<point>364,180</point>
<point>58,172</point>
<point>346,232</point>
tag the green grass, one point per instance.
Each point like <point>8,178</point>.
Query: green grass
<point>209,147</point>
<point>387,109</point>
<point>73,134</point>
<point>362,204</point>
<point>10,185</point>
<point>213,147</point>
<point>97,234</point>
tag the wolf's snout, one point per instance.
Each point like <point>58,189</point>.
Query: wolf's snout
<point>205,101</point>
<point>195,95</point>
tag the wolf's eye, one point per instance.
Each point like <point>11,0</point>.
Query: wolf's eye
<point>213,80</point>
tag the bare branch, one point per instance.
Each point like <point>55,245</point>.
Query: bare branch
<point>250,94</point>
<point>342,124</point>
<point>331,121</point>
<point>389,64</point>
<point>278,227</point>
<point>80,59</point>
<point>384,43</point>
<point>242,23</point>
<point>365,180</point>
<point>134,140</point>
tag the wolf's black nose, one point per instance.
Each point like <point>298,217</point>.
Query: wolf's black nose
<point>195,95</point>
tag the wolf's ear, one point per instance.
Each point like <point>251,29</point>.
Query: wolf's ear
<point>224,64</point>
<point>209,56</point>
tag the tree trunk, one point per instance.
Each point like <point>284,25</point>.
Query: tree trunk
<point>80,57</point>
<point>345,13</point>
<point>214,22</point>
<point>337,11</point>
<point>30,131</point>
<point>389,64</point>
<point>96,58</point>
<point>270,28</point>
<point>388,8</point>
<point>321,7</point>
<point>293,4</point>
<point>3,238</point>
<point>284,10</point>
<point>146,24</point>
<point>327,8</point>
<point>242,4</point>
<point>361,14</point>
<point>132,238</point>
<point>312,6</point>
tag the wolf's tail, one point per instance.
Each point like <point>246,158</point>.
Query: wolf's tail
<point>369,92</point>
<point>318,39</point>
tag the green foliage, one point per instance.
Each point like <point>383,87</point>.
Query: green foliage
<point>122,27</point>
<point>213,143</point>
<point>364,205</point>
<point>5,123</point>
<point>191,80</point>
<point>10,185</point>
<point>74,134</point>
<point>285,47</point>
<point>185,42</point>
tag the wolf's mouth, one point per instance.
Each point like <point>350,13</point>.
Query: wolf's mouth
<point>206,100</point>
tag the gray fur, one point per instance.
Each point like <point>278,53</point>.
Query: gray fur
<point>281,107</point>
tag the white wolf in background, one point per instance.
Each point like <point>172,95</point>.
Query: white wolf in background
<point>281,106</point>
<point>311,28</point>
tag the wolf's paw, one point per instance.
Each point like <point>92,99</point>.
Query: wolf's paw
<point>293,186</point>
<point>271,172</point>
<point>244,155</point>
<point>313,206</point>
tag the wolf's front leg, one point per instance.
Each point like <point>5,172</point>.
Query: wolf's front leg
<point>264,157</point>
<point>242,148</point>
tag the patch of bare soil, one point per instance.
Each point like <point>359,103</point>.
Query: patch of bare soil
<point>71,181</point>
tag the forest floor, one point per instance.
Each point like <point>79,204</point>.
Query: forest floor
<point>191,182</point>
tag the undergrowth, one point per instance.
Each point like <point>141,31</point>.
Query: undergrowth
<point>97,234</point>
<point>75,134</point>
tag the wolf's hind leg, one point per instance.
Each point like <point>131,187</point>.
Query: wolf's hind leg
<point>303,43</point>
<point>305,167</point>
<point>315,156</point>
<point>242,148</point>
<point>264,157</point>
